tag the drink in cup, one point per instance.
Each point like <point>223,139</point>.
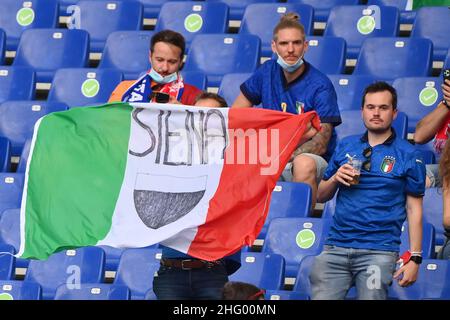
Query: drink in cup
<point>356,164</point>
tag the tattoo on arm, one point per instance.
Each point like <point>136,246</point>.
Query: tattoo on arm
<point>318,144</point>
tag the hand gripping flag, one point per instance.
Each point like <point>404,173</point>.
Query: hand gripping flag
<point>195,179</point>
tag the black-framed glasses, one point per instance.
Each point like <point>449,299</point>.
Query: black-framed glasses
<point>367,153</point>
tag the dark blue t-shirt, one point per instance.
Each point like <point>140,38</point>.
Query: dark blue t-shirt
<point>311,91</point>
<point>369,215</point>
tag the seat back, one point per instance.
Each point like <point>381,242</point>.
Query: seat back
<point>136,270</point>
<point>17,120</point>
<point>80,87</point>
<point>428,241</point>
<point>11,187</point>
<point>193,18</point>
<point>128,52</point>
<point>418,96</point>
<point>295,238</point>
<point>261,18</point>
<point>7,262</point>
<point>400,57</point>
<point>322,8</point>
<point>47,50</point>
<point>93,291</point>
<point>326,54</point>
<point>195,78</point>
<point>433,210</point>
<point>83,265</point>
<point>237,7</point>
<point>230,86</point>
<point>226,54</point>
<point>100,18</point>
<point>350,89</point>
<point>19,290</point>
<point>266,271</point>
<point>17,16</point>
<point>357,23</point>
<point>16,83</point>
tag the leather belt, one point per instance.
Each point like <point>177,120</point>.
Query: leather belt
<point>188,264</point>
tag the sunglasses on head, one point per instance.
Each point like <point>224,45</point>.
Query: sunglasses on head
<point>367,153</point>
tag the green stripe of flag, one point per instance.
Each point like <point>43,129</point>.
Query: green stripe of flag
<point>96,174</point>
<point>430,3</point>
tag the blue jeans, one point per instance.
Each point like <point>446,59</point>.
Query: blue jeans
<point>337,269</point>
<point>195,284</point>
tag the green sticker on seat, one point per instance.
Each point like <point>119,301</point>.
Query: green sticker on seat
<point>90,88</point>
<point>428,96</point>
<point>305,238</point>
<point>193,22</point>
<point>25,17</point>
<point>6,296</point>
<point>366,24</point>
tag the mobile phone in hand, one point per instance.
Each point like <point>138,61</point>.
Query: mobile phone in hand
<point>161,97</point>
<point>446,74</point>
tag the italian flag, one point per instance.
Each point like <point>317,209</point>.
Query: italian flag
<point>195,179</point>
<point>416,4</point>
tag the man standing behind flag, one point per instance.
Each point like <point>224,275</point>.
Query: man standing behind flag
<point>166,57</point>
<point>363,243</point>
<point>291,84</point>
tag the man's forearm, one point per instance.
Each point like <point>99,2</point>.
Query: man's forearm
<point>414,209</point>
<point>318,144</point>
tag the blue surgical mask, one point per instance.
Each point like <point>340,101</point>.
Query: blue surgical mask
<point>289,67</point>
<point>160,79</point>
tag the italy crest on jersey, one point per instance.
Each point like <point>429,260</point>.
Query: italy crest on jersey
<point>388,164</point>
<point>300,106</point>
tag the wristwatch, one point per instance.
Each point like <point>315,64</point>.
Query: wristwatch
<point>416,259</point>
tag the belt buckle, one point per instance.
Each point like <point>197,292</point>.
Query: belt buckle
<point>182,264</point>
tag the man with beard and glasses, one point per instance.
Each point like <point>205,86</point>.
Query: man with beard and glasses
<point>362,247</point>
<point>291,84</point>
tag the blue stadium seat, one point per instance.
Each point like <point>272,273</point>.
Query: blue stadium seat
<point>195,78</point>
<point>352,124</point>
<point>136,270</point>
<point>434,23</point>
<point>112,257</point>
<point>19,290</point>
<point>2,46</point>
<point>22,166</point>
<point>261,18</point>
<point>266,271</point>
<point>433,212</point>
<point>230,86</point>
<point>152,7</point>
<point>428,242</point>
<point>237,7</point>
<point>284,295</point>
<point>418,96</point>
<point>289,200</point>
<point>193,18</point>
<point>100,18</point>
<point>406,16</point>
<point>81,87</point>
<point>7,262</point>
<point>326,54</point>
<point>322,8</point>
<point>93,291</point>
<point>64,5</point>
<point>350,89</point>
<point>17,119</point>
<point>356,23</point>
<point>295,238</point>
<point>432,283</point>
<point>128,52</point>
<point>400,57</point>
<point>302,284</point>
<point>70,267</point>
<point>11,187</point>
<point>446,62</point>
<point>16,83</point>
<point>328,208</point>
<point>5,154</point>
<point>17,16</point>
<point>226,53</point>
<point>47,50</point>
<point>10,233</point>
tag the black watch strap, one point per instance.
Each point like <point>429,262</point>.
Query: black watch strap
<point>416,259</point>
<point>445,103</point>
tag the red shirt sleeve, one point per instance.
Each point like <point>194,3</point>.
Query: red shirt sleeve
<point>189,94</point>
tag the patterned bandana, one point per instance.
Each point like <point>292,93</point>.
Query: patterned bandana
<point>141,90</point>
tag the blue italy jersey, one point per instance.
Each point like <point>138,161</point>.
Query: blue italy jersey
<point>311,91</point>
<point>369,215</point>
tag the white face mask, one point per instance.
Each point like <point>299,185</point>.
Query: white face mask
<point>289,67</point>
<point>161,79</point>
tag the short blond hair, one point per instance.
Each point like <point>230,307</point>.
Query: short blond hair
<point>287,21</point>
